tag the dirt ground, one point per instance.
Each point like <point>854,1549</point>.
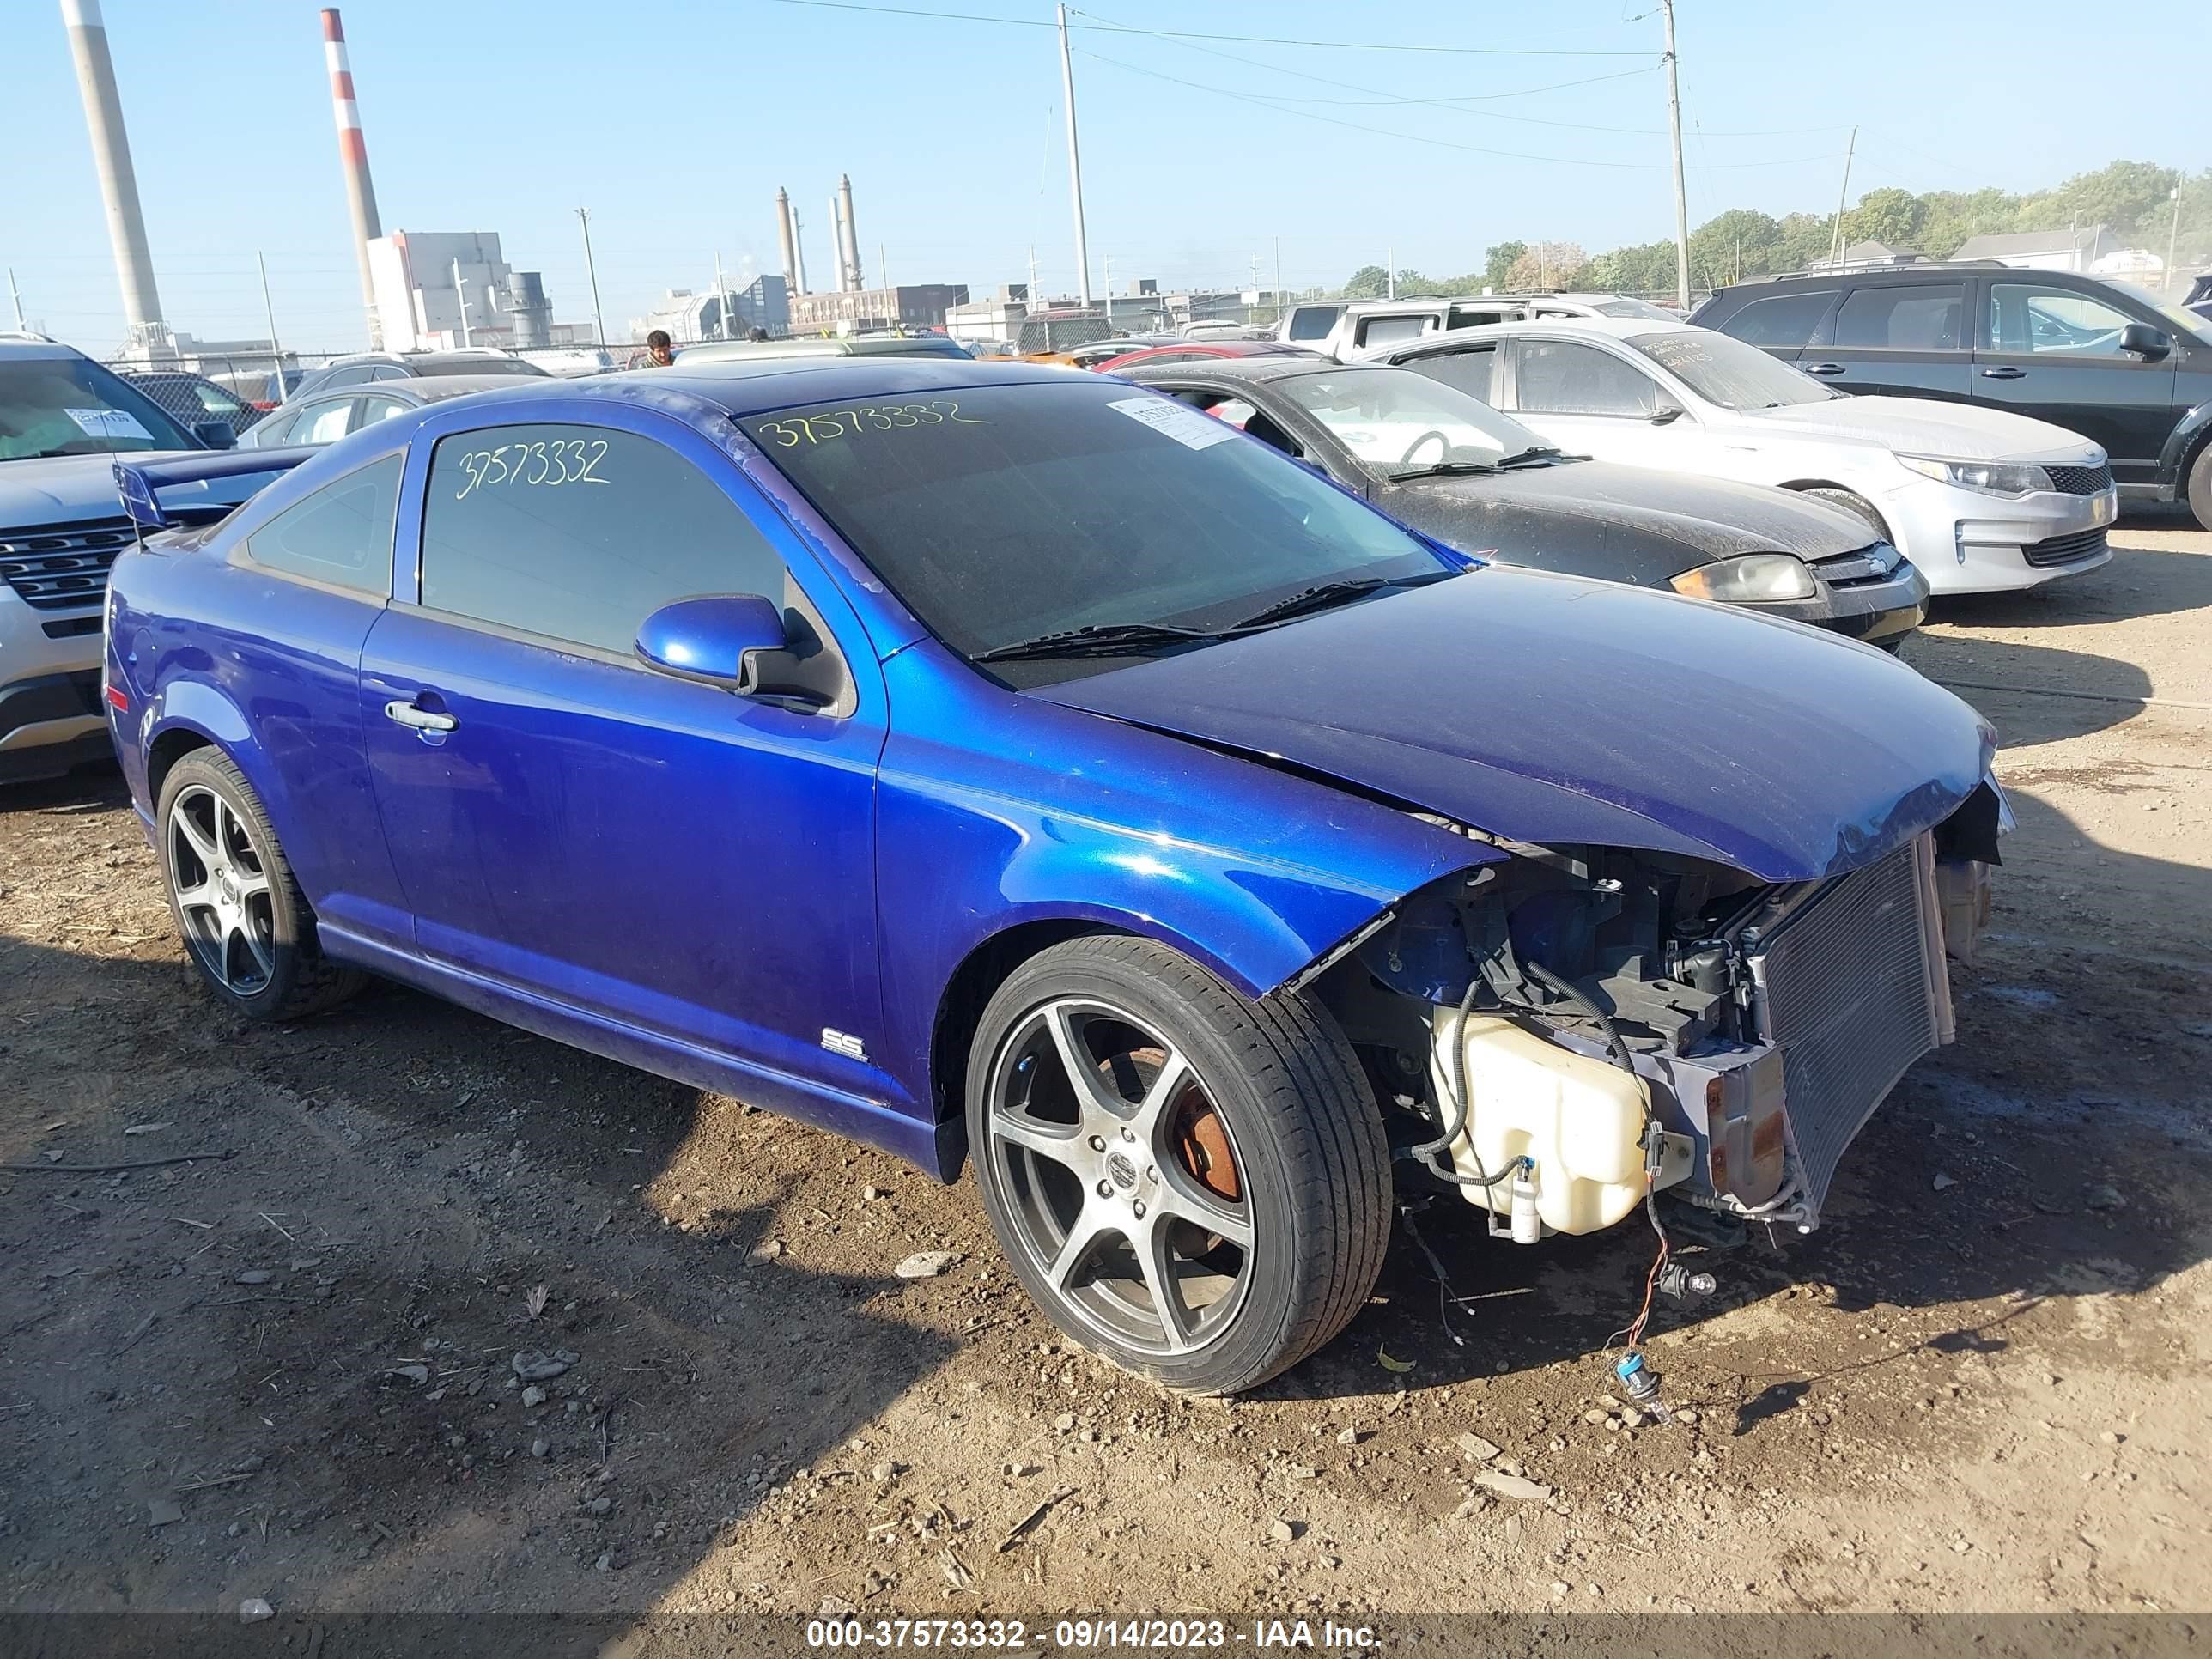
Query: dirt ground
<point>289,1374</point>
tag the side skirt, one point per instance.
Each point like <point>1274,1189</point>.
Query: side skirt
<point>918,1142</point>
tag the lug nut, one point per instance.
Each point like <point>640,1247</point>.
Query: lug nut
<point>1128,1134</point>
<point>1141,1209</point>
<point>1097,1143</point>
<point>1105,1190</point>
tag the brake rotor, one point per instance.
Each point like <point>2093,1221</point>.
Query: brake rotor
<point>1195,1129</point>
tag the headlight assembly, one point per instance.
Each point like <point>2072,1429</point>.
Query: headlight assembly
<point>1988,477</point>
<point>1749,579</point>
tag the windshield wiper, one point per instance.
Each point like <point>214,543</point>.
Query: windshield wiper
<point>1100,640</point>
<point>1333,593</point>
<point>1535,454</point>
<point>1442,469</point>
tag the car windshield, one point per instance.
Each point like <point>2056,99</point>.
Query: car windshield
<point>72,406</point>
<point>2188,324</point>
<point>1003,513</point>
<point>1627,305</point>
<point>474,366</point>
<point>1399,423</point>
<point>1725,371</point>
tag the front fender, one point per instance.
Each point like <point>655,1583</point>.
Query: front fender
<point>1027,811</point>
<point>2180,444</point>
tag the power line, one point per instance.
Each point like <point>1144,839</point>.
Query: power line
<point>1379,98</point>
<point>1192,34</point>
<point>1278,106</point>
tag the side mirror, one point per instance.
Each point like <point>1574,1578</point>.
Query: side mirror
<point>712,639</point>
<point>2148,343</point>
<point>1668,412</point>
<point>215,434</point>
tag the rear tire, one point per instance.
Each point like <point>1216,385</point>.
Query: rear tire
<point>2200,487</point>
<point>1852,502</point>
<point>1209,1201</point>
<point>238,908</point>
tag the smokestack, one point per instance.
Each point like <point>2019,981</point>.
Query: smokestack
<point>353,155</point>
<point>111,154</point>
<point>849,247</point>
<point>788,235</point>
<point>844,278</point>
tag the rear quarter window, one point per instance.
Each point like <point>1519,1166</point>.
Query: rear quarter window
<point>1781,319</point>
<point>340,536</point>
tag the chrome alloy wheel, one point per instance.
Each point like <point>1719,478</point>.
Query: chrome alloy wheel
<point>1121,1181</point>
<point>222,890</point>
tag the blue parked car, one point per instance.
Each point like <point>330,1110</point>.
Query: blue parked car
<point>1010,764</point>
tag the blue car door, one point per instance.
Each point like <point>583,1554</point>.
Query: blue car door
<point>665,858</point>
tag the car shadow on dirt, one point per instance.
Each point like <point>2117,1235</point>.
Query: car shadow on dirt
<point>2033,694</point>
<point>428,1321</point>
<point>2139,581</point>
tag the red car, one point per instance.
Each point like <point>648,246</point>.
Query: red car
<point>1197,348</point>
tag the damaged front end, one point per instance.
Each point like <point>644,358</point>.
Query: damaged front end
<point>1578,1027</point>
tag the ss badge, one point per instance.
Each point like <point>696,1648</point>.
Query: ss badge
<point>840,1042</point>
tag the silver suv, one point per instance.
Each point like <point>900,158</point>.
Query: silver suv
<point>63,419</point>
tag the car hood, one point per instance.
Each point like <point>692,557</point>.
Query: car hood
<point>1921,426</point>
<point>64,489</point>
<point>1553,710</point>
<point>1709,518</point>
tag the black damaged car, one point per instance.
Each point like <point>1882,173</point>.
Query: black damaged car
<point>1455,468</point>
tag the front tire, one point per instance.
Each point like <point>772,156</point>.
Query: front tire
<point>237,906</point>
<point>2200,487</point>
<point>1194,1185</point>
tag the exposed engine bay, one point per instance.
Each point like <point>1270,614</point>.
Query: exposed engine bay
<point>1576,1028</point>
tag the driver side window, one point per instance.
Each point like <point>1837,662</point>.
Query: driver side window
<point>1560,377</point>
<point>2049,320</point>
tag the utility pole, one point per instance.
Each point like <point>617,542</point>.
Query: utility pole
<point>17,294</point>
<point>721,297</point>
<point>1681,198</point>
<point>2172,239</point>
<point>1107,259</point>
<point>883,266</point>
<point>1836,235</point>
<point>1278,280</point>
<point>1390,273</point>
<point>1075,165</point>
<point>461,294</point>
<point>598,321</point>
<point>276,353</point>
<point>1034,297</point>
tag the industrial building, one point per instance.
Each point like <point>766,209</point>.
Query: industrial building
<point>855,310</point>
<point>690,314</point>
<point>438,289</point>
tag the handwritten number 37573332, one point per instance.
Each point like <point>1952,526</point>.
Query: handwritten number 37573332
<point>548,463</point>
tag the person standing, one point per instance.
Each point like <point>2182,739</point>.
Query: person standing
<point>659,352</point>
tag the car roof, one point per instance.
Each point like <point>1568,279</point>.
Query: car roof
<point>1618,328</point>
<point>1919,271</point>
<point>1277,366</point>
<point>741,389</point>
<point>36,349</point>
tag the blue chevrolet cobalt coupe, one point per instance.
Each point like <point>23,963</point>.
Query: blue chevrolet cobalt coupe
<point>1005,764</point>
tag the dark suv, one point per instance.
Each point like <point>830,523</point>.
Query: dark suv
<point>2101,358</point>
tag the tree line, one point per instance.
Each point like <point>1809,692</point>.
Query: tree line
<point>2133,200</point>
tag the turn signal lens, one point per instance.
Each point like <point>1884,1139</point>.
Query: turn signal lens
<point>1751,580</point>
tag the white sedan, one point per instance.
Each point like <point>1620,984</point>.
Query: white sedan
<point>1979,499</point>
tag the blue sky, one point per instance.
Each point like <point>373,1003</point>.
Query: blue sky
<point>676,120</point>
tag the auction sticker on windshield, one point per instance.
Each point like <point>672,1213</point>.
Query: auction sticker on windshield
<point>1173,420</point>
<point>109,423</point>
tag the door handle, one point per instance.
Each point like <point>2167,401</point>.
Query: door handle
<point>420,720</point>
<point>1820,368</point>
<point>2007,373</point>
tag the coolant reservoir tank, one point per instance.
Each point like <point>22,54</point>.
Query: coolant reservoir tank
<point>1580,1120</point>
